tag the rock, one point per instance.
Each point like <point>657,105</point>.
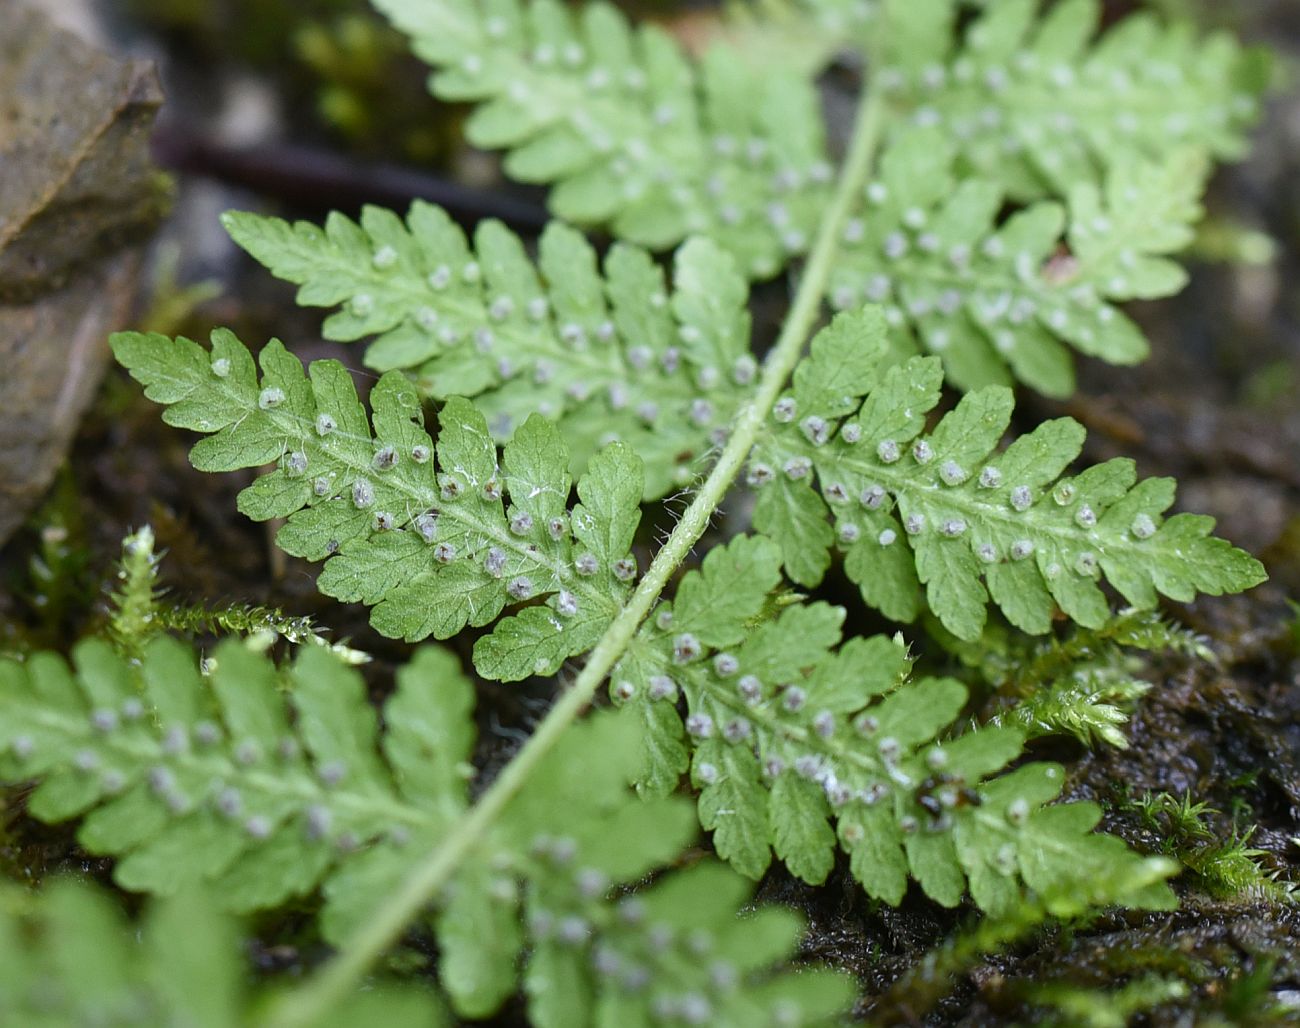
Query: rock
<point>78,199</point>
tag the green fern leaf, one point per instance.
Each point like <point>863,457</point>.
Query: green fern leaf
<point>1003,301</point>
<point>430,543</point>
<point>944,510</point>
<point>187,780</point>
<point>613,357</point>
<point>631,133</point>
<point>68,957</point>
<point>1038,106</point>
<point>269,794</point>
<point>799,743</point>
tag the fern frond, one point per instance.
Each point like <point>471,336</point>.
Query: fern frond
<point>68,957</point>
<point>797,742</point>
<point>429,541</point>
<point>617,356</point>
<point>266,795</point>
<point>919,990</point>
<point>1039,105</point>
<point>943,509</point>
<point>630,132</point>
<point>1008,301</point>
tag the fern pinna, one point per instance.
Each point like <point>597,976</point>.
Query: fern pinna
<point>435,545</point>
<point>613,357</point>
<point>946,510</point>
<point>1011,179</point>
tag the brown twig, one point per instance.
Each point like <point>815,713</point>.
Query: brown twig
<point>312,179</point>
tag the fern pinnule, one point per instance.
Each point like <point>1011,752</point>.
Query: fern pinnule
<point>613,357</point>
<point>945,510</point>
<point>674,950</point>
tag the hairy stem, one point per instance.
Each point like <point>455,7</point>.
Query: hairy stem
<point>385,926</point>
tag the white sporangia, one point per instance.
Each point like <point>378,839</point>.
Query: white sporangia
<point>725,665</point>
<point>385,459</point>
<point>686,648</point>
<point>566,603</point>
<point>750,688</point>
<point>1143,527</point>
<point>797,468</point>
<point>953,527</point>
<point>952,473</point>
<point>737,730</point>
<point>363,493</point>
<point>444,553</point>
<point>270,398</point>
<point>661,687</point>
<point>494,562</point>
